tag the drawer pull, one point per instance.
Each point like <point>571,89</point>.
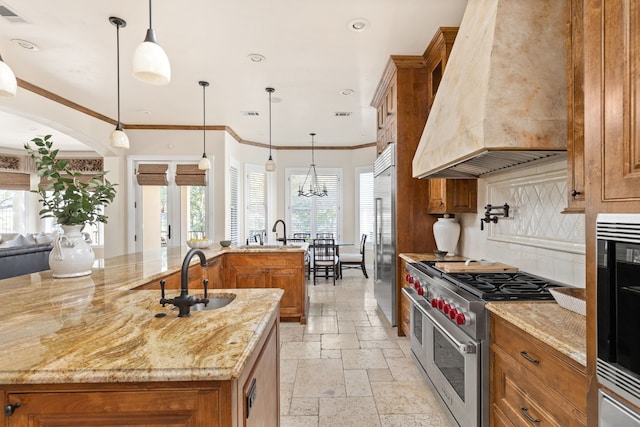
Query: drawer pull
<point>529,358</point>
<point>525,412</point>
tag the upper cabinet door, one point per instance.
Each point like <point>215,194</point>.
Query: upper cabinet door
<point>612,94</point>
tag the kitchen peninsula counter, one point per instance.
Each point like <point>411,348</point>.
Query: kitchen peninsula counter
<point>63,339</point>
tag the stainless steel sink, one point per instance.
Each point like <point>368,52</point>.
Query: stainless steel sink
<point>215,302</point>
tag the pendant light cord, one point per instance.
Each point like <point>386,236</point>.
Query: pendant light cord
<point>204,115</point>
<point>118,125</point>
<point>150,26</point>
<point>270,123</point>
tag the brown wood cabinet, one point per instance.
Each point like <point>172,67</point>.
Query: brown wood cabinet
<point>205,404</point>
<point>453,195</point>
<point>173,280</point>
<point>532,383</point>
<point>280,270</point>
<point>215,272</point>
<point>611,139</point>
<point>575,110</point>
<point>404,321</point>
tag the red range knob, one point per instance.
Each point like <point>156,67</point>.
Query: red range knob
<point>406,277</point>
<point>461,319</point>
<point>410,278</point>
<point>440,304</point>
<point>434,302</point>
<point>446,308</point>
<point>453,313</point>
<point>420,291</point>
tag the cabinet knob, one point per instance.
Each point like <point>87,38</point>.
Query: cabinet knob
<point>10,409</point>
<point>574,193</point>
<point>441,203</point>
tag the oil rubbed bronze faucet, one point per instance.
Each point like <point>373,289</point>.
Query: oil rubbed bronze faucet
<point>184,301</point>
<point>284,230</point>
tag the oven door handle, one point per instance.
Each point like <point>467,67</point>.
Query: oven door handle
<point>463,347</point>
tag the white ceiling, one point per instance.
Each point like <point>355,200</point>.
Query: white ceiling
<point>311,56</point>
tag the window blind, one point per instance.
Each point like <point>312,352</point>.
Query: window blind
<point>14,181</point>
<point>152,174</point>
<point>233,208</point>
<point>366,205</point>
<point>256,202</point>
<point>190,175</point>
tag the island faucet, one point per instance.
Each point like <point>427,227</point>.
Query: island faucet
<point>184,301</point>
<point>284,230</point>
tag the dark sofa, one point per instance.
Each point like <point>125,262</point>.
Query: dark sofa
<point>24,260</point>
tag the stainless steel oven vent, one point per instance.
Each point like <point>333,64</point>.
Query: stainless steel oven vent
<point>620,227</point>
<point>616,379</point>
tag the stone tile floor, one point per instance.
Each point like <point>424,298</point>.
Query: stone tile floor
<point>348,367</point>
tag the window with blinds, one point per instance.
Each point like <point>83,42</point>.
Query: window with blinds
<point>256,201</point>
<point>152,174</point>
<point>189,174</point>
<point>366,214</point>
<point>315,214</point>
<point>233,208</point>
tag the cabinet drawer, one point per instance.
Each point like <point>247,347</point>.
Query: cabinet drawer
<point>559,373</point>
<point>523,400</point>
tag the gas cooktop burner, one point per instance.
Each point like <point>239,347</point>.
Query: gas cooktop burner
<point>503,286</point>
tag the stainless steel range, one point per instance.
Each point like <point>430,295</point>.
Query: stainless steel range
<point>450,331</point>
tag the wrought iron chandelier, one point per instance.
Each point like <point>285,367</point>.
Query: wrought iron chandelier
<point>312,177</point>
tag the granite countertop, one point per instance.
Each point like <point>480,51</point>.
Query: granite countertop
<point>94,329</point>
<point>415,257</point>
<point>560,328</point>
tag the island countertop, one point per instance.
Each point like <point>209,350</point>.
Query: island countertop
<point>94,329</point>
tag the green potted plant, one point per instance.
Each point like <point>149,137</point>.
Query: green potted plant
<point>73,202</point>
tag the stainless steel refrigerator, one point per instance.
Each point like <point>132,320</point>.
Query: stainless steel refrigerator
<point>384,286</point>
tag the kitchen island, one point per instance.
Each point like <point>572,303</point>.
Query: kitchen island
<point>92,351</point>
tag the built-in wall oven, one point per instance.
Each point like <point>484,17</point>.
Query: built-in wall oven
<point>618,301</point>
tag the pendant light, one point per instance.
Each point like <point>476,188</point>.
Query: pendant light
<point>312,178</point>
<point>8,83</point>
<point>118,139</point>
<point>204,163</point>
<point>150,62</point>
<point>270,166</point>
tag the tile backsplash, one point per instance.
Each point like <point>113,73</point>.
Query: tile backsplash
<point>536,237</point>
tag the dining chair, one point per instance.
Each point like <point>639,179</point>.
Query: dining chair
<point>324,235</point>
<point>355,260</point>
<point>325,258</point>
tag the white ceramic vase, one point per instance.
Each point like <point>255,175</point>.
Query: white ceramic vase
<point>446,231</point>
<point>72,254</point>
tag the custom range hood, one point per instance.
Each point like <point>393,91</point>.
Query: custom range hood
<point>502,99</point>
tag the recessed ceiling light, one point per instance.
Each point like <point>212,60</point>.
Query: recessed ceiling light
<point>25,44</point>
<point>347,92</point>
<point>358,25</point>
<point>342,114</point>
<point>250,113</point>
<point>256,57</point>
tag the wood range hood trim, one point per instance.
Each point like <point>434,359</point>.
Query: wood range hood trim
<point>502,101</point>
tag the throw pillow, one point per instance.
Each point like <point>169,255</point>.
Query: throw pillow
<point>43,238</point>
<point>18,241</point>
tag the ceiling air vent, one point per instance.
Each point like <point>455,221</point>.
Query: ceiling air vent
<point>342,114</point>
<point>250,113</point>
<point>10,15</point>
